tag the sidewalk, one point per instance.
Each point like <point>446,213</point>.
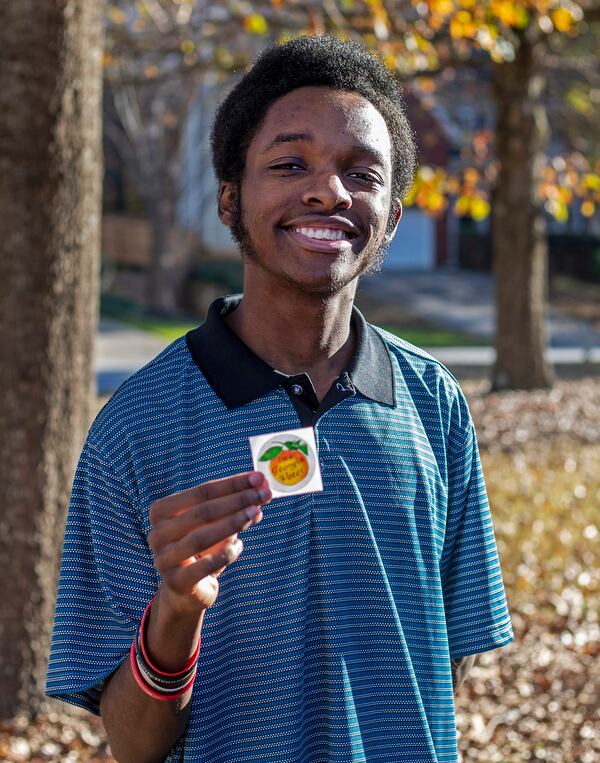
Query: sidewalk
<point>120,351</point>
<point>464,301</point>
<point>451,299</point>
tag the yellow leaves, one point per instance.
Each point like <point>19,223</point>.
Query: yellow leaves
<point>435,201</point>
<point>480,208</point>
<point>381,22</point>
<point>256,24</point>
<point>562,15</point>
<point>391,61</point>
<point>509,13</point>
<point>483,22</point>
<point>432,188</point>
<point>473,205</point>
<point>116,15</point>
<point>224,59</point>
<point>462,25</point>
<point>568,180</point>
<point>441,7</point>
<point>591,181</point>
<point>471,176</point>
<point>558,209</point>
<point>561,19</point>
<point>461,206</point>
<point>579,100</point>
<point>188,46</point>
<point>588,208</point>
<point>429,190</point>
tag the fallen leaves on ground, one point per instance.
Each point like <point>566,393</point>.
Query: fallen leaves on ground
<point>537,698</point>
<point>513,420</point>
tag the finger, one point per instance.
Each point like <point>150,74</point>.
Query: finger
<point>183,579</point>
<point>176,503</point>
<point>210,511</point>
<point>202,538</point>
<point>218,547</point>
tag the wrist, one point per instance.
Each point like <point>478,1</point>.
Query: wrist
<point>172,634</point>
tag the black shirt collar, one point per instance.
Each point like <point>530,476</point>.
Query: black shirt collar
<point>239,376</point>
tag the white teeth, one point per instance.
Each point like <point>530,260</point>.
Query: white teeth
<point>330,234</point>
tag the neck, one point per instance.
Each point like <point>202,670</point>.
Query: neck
<point>295,332</point>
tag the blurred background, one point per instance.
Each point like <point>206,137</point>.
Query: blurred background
<point>111,248</point>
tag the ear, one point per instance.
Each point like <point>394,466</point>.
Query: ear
<point>396,219</point>
<point>228,203</point>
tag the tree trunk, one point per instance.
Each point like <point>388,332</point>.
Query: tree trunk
<point>50,190</point>
<point>518,228</point>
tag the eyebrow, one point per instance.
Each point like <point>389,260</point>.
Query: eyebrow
<point>290,137</point>
<point>293,137</point>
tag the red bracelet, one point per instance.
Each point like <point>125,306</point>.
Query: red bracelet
<point>189,662</point>
<point>147,689</point>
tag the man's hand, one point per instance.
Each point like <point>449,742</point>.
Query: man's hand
<point>194,536</point>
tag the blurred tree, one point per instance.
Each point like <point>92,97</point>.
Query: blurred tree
<point>50,183</point>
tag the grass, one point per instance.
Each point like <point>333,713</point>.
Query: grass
<point>170,329</point>
<point>165,328</point>
<point>433,337</point>
<point>421,337</point>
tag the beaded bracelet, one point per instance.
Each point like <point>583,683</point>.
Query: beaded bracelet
<point>147,689</point>
<point>153,681</point>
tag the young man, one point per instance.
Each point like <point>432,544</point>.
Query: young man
<point>332,635</point>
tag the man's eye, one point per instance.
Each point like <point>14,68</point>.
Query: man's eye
<point>287,166</point>
<point>365,176</point>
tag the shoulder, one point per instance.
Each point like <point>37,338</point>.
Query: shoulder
<point>428,382</point>
<point>424,365</point>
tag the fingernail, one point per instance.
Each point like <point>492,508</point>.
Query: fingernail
<point>255,478</point>
<point>264,493</point>
<point>252,511</point>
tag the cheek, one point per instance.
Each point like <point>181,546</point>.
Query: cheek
<point>259,214</point>
<point>378,214</point>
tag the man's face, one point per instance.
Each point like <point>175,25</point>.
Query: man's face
<point>316,190</point>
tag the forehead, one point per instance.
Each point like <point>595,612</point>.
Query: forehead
<point>330,116</point>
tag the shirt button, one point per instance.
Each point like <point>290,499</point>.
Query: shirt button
<point>297,389</point>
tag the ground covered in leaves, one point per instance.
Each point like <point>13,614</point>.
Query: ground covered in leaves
<point>537,699</point>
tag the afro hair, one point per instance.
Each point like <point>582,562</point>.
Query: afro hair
<point>308,61</point>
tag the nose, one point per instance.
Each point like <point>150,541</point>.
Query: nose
<point>328,190</point>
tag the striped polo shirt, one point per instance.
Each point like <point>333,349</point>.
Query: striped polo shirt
<point>331,638</point>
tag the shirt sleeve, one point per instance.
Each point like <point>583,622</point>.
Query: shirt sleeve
<point>107,577</point>
<point>477,616</point>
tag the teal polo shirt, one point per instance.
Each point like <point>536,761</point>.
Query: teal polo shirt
<point>331,638</point>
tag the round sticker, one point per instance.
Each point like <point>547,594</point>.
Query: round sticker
<point>288,464</point>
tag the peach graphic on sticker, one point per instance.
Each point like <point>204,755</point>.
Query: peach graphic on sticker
<point>288,460</point>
